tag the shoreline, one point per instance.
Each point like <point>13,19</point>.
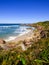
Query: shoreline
<point>20,37</point>
<point>12,43</point>
<point>25,36</point>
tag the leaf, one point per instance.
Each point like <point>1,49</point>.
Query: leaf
<point>23,61</point>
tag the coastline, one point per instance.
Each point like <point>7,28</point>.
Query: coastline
<point>25,36</point>
<point>20,37</point>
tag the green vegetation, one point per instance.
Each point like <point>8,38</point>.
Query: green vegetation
<point>37,54</point>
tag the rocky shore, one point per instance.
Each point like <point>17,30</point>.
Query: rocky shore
<point>24,41</point>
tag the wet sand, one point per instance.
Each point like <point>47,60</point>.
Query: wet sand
<point>25,36</point>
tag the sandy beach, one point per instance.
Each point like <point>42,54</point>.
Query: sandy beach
<point>21,37</point>
<point>25,36</point>
<point>12,41</point>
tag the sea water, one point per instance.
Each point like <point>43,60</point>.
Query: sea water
<point>10,31</point>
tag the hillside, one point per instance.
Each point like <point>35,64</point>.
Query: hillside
<point>45,24</point>
<point>37,54</point>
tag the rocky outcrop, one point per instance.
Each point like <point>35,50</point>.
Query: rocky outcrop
<point>43,34</point>
<point>2,43</point>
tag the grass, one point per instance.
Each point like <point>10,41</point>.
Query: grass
<point>37,54</point>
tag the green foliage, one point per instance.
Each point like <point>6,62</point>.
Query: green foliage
<point>45,54</point>
<point>23,61</point>
<point>44,24</point>
<point>37,54</point>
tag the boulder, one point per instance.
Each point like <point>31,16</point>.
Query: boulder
<point>27,42</point>
<point>2,41</point>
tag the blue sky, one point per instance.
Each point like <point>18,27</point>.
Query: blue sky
<point>24,11</point>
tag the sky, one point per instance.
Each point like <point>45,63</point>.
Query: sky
<point>24,11</point>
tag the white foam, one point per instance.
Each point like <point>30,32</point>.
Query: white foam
<point>10,38</point>
<point>21,29</point>
<point>14,37</point>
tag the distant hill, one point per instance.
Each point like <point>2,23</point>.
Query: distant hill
<point>44,24</point>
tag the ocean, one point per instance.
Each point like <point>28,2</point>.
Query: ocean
<point>8,31</point>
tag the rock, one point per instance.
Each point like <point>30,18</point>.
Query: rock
<point>43,34</point>
<point>27,42</point>
<point>2,41</point>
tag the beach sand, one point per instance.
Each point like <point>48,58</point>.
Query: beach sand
<point>25,36</point>
<point>21,37</point>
